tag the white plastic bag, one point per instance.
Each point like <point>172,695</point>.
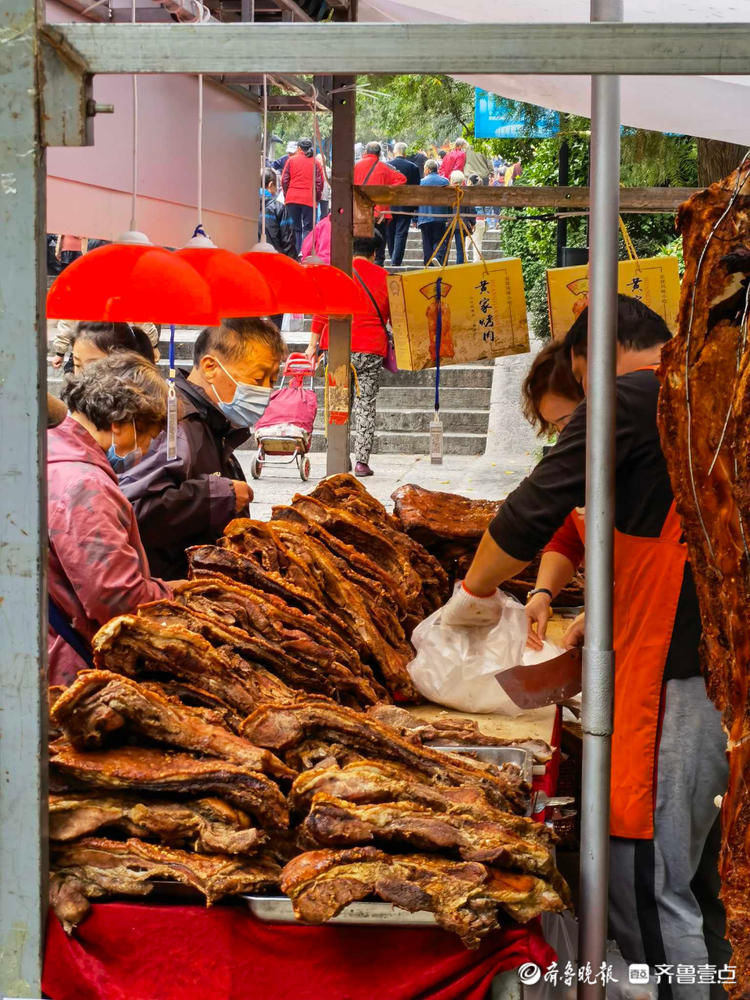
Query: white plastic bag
<point>456,666</point>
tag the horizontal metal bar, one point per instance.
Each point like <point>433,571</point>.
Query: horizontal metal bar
<point>649,199</point>
<point>555,49</point>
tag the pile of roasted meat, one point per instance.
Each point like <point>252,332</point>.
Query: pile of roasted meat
<point>242,738</point>
<point>450,527</point>
<point>704,407</point>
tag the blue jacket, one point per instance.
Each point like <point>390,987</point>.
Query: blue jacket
<point>427,213</point>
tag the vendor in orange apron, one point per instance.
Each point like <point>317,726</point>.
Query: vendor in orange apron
<point>668,746</point>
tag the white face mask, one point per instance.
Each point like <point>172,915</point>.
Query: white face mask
<point>248,403</point>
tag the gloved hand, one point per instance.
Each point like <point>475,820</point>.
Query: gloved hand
<point>466,609</point>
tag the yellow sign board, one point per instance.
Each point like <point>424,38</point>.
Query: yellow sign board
<point>482,307</point>
<point>653,280</point>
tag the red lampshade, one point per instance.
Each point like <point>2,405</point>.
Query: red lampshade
<point>237,288</point>
<point>293,290</point>
<point>341,294</point>
<point>131,283</point>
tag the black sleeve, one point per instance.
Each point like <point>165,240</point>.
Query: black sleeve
<point>537,508</point>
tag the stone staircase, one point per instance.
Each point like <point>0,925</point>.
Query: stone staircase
<point>406,400</point>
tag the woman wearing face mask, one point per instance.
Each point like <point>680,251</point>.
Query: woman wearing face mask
<point>97,564</point>
<point>550,396</point>
<point>94,341</point>
<point>190,499</point>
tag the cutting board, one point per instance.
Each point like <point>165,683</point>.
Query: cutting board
<point>538,724</point>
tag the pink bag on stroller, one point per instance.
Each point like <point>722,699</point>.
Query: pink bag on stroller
<point>290,405</point>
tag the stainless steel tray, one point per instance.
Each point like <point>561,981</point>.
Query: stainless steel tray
<point>518,756</point>
<point>278,909</point>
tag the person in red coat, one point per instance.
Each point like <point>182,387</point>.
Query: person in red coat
<point>455,159</point>
<point>302,184</point>
<point>369,347</point>
<point>372,170</point>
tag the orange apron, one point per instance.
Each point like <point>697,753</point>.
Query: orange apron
<point>648,576</point>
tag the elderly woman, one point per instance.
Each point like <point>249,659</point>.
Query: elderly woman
<point>432,219</point>
<point>97,566</point>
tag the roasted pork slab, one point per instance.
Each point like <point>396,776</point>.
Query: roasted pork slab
<point>100,708</point>
<point>210,826</point>
<point>703,416</point>
<point>166,774</point>
<point>95,867</point>
<point>282,728</point>
<point>464,896</point>
<point>138,647</point>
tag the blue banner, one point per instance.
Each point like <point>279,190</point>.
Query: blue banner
<point>493,120</point>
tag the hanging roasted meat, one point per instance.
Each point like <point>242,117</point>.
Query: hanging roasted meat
<point>703,415</point>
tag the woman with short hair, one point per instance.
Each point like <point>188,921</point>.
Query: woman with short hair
<point>97,565</point>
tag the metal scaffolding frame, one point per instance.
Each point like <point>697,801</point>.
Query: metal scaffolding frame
<point>45,77</point>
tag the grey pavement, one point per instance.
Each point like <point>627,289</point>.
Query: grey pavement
<point>476,476</point>
<point>511,452</point>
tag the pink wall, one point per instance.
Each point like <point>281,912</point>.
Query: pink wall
<point>88,189</point>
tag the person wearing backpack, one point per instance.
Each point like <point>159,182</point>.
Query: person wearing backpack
<point>369,347</point>
<point>372,170</point>
<point>302,183</point>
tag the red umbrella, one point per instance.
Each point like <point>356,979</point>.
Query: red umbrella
<point>293,289</point>
<point>237,288</point>
<point>131,283</point>
<point>341,294</point>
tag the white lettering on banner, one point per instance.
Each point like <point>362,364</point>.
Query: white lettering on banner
<point>638,973</point>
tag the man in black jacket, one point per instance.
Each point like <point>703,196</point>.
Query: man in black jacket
<point>279,227</point>
<point>191,499</point>
<point>403,216</point>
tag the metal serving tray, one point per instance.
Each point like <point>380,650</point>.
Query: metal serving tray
<point>278,909</point>
<point>517,756</point>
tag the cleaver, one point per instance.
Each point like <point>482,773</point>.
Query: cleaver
<point>548,683</point>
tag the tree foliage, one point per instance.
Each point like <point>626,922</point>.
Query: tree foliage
<point>428,111</point>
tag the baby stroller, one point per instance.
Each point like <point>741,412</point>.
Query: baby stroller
<point>284,432</point>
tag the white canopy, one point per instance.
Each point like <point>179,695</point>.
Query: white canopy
<point>713,107</point>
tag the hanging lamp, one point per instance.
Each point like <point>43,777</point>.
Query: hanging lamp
<point>130,280</point>
<point>341,294</point>
<point>237,288</point>
<point>130,283</point>
<point>292,289</point>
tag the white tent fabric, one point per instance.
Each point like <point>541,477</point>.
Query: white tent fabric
<point>712,107</point>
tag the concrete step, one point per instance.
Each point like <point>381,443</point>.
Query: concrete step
<point>397,397</point>
<point>418,421</point>
<point>409,397</point>
<point>478,375</point>
<point>399,421</point>
<point>404,443</point>
<point>388,443</point>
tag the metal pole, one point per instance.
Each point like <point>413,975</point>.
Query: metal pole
<point>342,224</point>
<point>23,588</point>
<point>562,181</point>
<point>598,657</point>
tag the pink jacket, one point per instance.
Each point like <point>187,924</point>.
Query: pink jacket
<point>97,566</point>
<point>322,242</point>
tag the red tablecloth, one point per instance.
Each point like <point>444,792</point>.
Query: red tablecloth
<point>137,951</point>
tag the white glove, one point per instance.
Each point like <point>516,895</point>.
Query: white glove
<point>467,610</point>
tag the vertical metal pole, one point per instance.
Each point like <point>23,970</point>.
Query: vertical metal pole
<point>563,176</point>
<point>598,657</point>
<point>23,531</point>
<point>342,223</point>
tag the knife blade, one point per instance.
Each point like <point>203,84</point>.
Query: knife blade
<point>548,683</point>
